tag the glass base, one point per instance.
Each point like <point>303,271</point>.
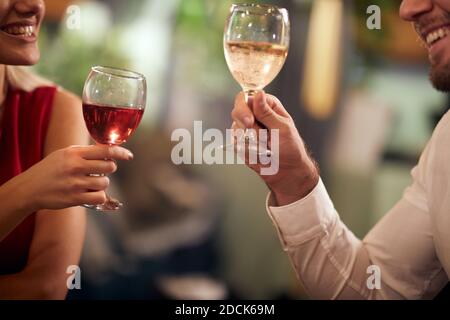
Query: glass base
<point>234,148</point>
<point>111,205</point>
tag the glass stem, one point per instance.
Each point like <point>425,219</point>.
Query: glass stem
<point>249,94</point>
<point>247,136</point>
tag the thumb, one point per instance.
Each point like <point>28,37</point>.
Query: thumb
<point>264,113</point>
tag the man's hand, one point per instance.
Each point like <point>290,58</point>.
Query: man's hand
<point>298,174</point>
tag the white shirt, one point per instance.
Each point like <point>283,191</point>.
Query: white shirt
<point>410,245</point>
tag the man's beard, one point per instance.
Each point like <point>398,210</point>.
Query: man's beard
<point>440,78</point>
<point>439,72</point>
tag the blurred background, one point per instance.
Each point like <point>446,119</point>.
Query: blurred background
<point>360,98</point>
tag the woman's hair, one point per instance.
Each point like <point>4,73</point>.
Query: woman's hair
<point>22,78</point>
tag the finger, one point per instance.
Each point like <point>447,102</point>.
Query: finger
<point>264,113</point>
<point>93,198</point>
<point>106,152</point>
<point>95,183</point>
<point>237,131</point>
<point>277,106</point>
<point>242,113</point>
<point>235,126</point>
<point>99,167</point>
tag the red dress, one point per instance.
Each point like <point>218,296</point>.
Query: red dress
<point>23,129</point>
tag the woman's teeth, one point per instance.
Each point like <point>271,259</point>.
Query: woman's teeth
<point>26,31</point>
<point>436,35</point>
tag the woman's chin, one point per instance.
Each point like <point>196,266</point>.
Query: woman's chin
<point>21,60</point>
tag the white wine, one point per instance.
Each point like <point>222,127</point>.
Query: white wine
<point>254,64</point>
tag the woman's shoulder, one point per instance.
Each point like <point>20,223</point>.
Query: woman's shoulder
<point>57,96</point>
<point>53,97</point>
<point>22,79</point>
<point>67,118</point>
<point>65,98</point>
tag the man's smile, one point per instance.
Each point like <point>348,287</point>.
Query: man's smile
<point>434,34</point>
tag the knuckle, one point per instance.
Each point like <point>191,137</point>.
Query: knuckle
<point>234,113</point>
<point>238,116</point>
<point>74,167</point>
<point>102,152</point>
<point>72,151</point>
<point>70,163</point>
<point>67,153</point>
<point>75,185</point>
<point>67,167</point>
<point>109,152</point>
<point>71,188</point>
<point>77,167</point>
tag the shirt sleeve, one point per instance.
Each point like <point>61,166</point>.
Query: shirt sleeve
<point>332,263</point>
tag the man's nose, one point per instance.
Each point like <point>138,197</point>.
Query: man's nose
<point>29,7</point>
<point>411,9</point>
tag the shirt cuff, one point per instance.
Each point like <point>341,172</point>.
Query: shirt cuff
<point>303,220</point>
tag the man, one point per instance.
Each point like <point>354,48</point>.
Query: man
<point>411,244</point>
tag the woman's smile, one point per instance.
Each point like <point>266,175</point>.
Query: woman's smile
<point>24,31</point>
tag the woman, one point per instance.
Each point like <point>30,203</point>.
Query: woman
<point>38,170</point>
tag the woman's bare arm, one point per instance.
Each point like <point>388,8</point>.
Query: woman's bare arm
<point>59,235</point>
<point>15,206</point>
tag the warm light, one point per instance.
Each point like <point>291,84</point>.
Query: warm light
<point>113,137</point>
<point>56,9</point>
<point>323,59</point>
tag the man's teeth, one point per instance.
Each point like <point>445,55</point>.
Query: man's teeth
<point>20,31</point>
<point>437,35</point>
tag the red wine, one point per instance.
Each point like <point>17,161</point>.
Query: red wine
<point>111,125</point>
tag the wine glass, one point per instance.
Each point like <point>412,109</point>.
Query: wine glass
<point>113,105</point>
<point>256,44</point>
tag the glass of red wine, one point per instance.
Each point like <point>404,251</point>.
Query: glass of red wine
<point>113,105</point>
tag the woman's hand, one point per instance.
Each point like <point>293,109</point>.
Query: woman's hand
<point>64,178</point>
<point>298,174</point>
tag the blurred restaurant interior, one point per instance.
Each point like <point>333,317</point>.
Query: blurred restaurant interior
<point>360,98</point>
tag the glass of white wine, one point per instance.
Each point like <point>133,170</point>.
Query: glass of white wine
<point>256,44</point>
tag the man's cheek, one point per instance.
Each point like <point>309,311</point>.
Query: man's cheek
<point>443,4</point>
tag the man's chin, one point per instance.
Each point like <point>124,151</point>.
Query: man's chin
<point>440,78</point>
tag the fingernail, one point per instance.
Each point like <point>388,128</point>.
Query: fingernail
<point>130,155</point>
